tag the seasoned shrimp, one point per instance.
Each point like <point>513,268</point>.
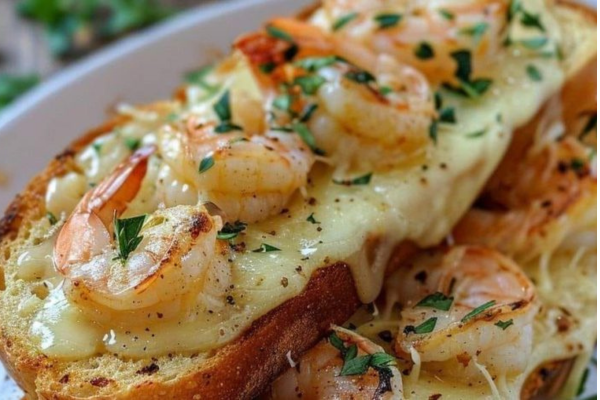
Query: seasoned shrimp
<point>319,374</point>
<point>151,256</point>
<point>422,33</point>
<point>250,177</point>
<point>368,111</point>
<point>544,184</point>
<point>464,310</point>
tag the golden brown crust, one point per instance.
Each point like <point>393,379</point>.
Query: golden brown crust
<point>547,380</point>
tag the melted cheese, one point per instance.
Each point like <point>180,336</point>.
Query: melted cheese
<point>419,203</point>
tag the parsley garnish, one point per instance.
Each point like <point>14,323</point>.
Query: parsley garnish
<point>476,134</point>
<point>132,143</point>
<point>446,14</point>
<point>534,73</point>
<point>582,383</point>
<point>227,126</point>
<point>532,21</point>
<point>534,43</point>
<point>472,88</point>
<point>311,219</point>
<point>283,102</point>
<point>362,77</point>
<point>97,146</point>
<point>436,300</point>
<point>279,34</point>
<point>476,31</point>
<point>433,130</point>
<point>447,115</point>
<point>127,235</point>
<point>386,21</point>
<point>312,64</point>
<point>361,180</point>
<point>426,327</point>
<point>478,311</point>
<point>385,90</point>
<point>308,138</point>
<point>309,83</point>
<point>504,324</point>
<point>515,7</point>
<point>424,51</point>
<point>307,112</point>
<point>231,231</point>
<point>265,248</point>
<point>51,218</point>
<point>343,21</point>
<point>206,164</point>
<point>267,68</point>
<point>589,126</point>
<point>223,110</point>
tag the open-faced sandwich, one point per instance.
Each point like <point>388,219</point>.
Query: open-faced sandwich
<point>420,173</point>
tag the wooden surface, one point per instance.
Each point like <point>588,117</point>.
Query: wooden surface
<point>23,47</point>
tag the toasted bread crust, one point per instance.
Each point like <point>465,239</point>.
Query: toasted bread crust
<point>241,369</point>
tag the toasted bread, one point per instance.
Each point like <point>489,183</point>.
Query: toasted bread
<point>240,369</point>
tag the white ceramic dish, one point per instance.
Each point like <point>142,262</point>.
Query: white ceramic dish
<point>141,68</point>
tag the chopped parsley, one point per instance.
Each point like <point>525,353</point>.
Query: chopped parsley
<point>577,164</point>
<point>360,76</point>
<point>472,88</point>
<point>361,180</point>
<point>283,102</point>
<point>206,164</point>
<point>385,90</point>
<point>223,110</point>
<point>308,111</point>
<point>386,21</point>
<point>227,126</point>
<point>265,248</point>
<point>309,83</point>
<point>447,115</point>
<point>424,51</point>
<point>132,143</point>
<point>476,311</point>
<point>513,10</point>
<point>307,136</point>
<point>476,31</point>
<point>433,130</point>
<point>504,324</point>
<point>532,21</point>
<point>231,231</point>
<point>534,73</point>
<point>446,14</point>
<point>312,64</point>
<point>476,134</point>
<point>583,381</point>
<point>279,34</point>
<point>127,235</point>
<point>311,219</point>
<point>343,21</point>
<point>426,327</point>
<point>535,43</point>
<point>97,146</point>
<point>436,300</point>
<point>51,218</point>
<point>589,126</point>
<point>267,68</point>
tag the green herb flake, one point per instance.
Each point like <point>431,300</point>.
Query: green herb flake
<point>433,131</point>
<point>534,73</point>
<point>476,31</point>
<point>583,381</point>
<point>426,327</point>
<point>463,64</point>
<point>447,115</point>
<point>222,107</point>
<point>513,9</point>
<point>311,219</point>
<point>385,90</point>
<point>424,51</point>
<point>313,64</point>
<point>476,311</point>
<point>132,143</point>
<point>361,180</point>
<point>476,134</point>
<point>206,164</point>
<point>198,77</point>
<point>446,14</point>
<point>231,231</point>
<point>577,164</point>
<point>532,21</point>
<point>504,324</point>
<point>310,83</point>
<point>265,248</point>
<point>51,218</point>
<point>283,102</point>
<point>362,77</point>
<point>127,235</point>
<point>436,300</point>
<point>336,342</point>
<point>279,34</point>
<point>386,21</point>
<point>307,112</point>
<point>308,138</point>
<point>227,126</point>
<point>534,43</point>
<point>97,146</point>
<point>343,21</point>
<point>590,125</point>
<point>267,68</point>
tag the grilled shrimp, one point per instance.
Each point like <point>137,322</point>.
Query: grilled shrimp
<point>249,177</point>
<point>544,184</point>
<point>319,374</point>
<point>423,34</point>
<point>368,110</point>
<point>464,310</point>
<point>139,262</point>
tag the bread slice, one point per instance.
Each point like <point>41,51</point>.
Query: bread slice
<point>240,369</point>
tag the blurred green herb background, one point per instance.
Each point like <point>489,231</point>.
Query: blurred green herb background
<point>73,28</point>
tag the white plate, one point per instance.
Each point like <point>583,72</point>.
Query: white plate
<point>141,68</point>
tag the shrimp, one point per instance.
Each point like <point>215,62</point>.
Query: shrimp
<point>150,257</point>
<point>369,111</point>
<point>544,185</point>
<point>319,373</point>
<point>422,34</point>
<point>250,178</point>
<point>464,309</point>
